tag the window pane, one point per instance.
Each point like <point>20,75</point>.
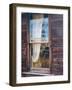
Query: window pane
<point>39,29</point>
<point>39,55</point>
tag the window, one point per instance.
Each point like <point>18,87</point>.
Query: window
<point>39,49</point>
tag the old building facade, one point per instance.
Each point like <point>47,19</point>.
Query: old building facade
<point>42,44</point>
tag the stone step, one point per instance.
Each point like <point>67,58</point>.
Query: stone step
<point>41,70</point>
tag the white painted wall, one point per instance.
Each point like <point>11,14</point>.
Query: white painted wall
<point>4,45</point>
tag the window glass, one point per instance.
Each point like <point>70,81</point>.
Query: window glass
<point>39,30</point>
<point>39,50</point>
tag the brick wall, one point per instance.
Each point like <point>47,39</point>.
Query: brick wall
<point>24,43</point>
<point>56,37</point>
